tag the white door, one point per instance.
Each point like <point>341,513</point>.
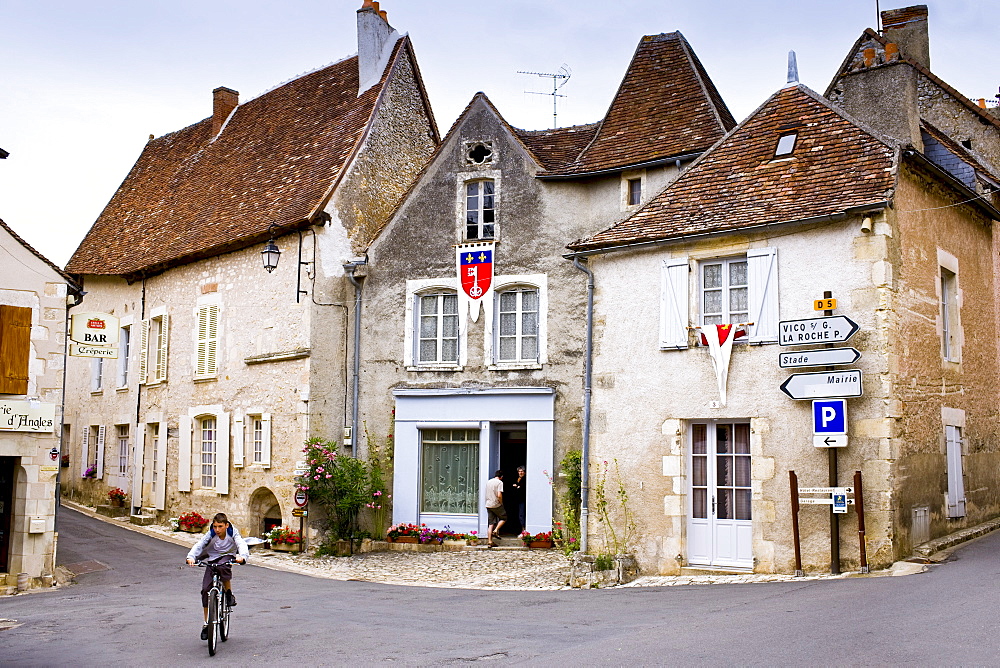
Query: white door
<point>719,520</point>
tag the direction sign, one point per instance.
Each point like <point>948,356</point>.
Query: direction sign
<point>300,471</point>
<point>832,329</point>
<point>827,501</point>
<point>822,357</point>
<point>300,512</point>
<point>823,385</point>
<point>830,440</point>
<point>826,490</point>
<point>830,416</point>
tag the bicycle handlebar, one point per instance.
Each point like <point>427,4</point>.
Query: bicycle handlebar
<point>206,564</point>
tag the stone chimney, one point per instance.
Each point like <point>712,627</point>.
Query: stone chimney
<point>908,28</point>
<point>224,100</point>
<point>374,32</point>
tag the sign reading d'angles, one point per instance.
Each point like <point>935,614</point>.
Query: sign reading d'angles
<point>475,275</point>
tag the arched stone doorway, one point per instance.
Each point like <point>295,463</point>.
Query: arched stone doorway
<point>265,511</point>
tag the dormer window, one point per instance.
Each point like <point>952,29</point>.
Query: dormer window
<point>786,144</point>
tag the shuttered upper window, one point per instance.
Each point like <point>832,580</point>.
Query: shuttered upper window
<point>15,349</point>
<point>208,341</point>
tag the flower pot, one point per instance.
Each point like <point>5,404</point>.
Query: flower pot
<point>285,547</point>
<point>405,539</point>
<point>540,544</point>
<point>193,530</point>
<point>117,503</point>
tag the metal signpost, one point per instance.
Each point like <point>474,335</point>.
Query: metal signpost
<point>839,498</point>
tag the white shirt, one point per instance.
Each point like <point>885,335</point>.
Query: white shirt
<point>494,488</point>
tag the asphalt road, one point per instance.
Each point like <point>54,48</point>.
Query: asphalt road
<point>145,610</point>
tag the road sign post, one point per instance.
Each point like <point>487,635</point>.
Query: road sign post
<point>820,357</point>
<point>831,329</point>
<point>823,384</point>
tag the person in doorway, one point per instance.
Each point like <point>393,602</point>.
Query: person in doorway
<point>219,546</point>
<point>496,516</point>
<point>518,490</point>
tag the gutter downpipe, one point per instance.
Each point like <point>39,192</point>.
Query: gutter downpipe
<point>350,268</point>
<point>587,374</point>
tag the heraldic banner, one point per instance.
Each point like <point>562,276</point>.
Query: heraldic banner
<point>475,276</point>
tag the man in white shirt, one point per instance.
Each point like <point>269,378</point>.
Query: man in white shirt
<point>494,505</point>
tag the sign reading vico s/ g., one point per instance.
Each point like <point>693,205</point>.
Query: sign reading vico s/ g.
<point>833,329</point>
<point>24,416</point>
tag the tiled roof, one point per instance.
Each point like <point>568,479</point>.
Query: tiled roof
<point>855,63</point>
<point>72,284</point>
<point>277,160</point>
<point>836,166</point>
<point>559,147</point>
<point>666,106</point>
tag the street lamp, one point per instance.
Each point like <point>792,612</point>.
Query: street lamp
<point>271,252</point>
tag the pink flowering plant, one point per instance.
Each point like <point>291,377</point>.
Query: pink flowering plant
<point>337,482</point>
<point>527,537</point>
<point>284,536</point>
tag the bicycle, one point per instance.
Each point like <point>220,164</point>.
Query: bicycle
<point>218,607</point>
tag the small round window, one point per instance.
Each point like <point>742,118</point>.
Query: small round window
<point>479,153</point>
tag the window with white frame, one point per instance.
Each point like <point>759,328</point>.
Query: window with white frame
<point>449,471</point>
<point>207,345</point>
<point>634,196</point>
<point>123,449</point>
<point>259,438</point>
<point>956,473</point>
<point>724,291</point>
<point>155,456</point>
<point>737,289</point>
<point>124,351</point>
<point>949,315</point>
<point>437,339</point>
<point>154,336</point>
<point>96,374</point>
<point>480,209</point>
<point>208,443</point>
<point>517,325</point>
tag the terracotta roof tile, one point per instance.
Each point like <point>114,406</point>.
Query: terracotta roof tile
<point>558,147</point>
<point>276,160</point>
<point>666,106</point>
<point>836,165</point>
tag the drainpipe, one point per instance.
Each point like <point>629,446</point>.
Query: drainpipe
<point>587,373</point>
<point>350,268</point>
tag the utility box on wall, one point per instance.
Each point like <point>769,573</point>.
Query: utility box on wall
<point>36,525</point>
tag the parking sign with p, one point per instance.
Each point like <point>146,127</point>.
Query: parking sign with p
<point>830,416</point>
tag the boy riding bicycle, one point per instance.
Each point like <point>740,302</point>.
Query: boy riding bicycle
<point>221,542</point>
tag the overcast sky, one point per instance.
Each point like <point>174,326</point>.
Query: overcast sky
<point>84,84</point>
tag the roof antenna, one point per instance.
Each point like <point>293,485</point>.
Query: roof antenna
<point>793,70</point>
<point>563,74</point>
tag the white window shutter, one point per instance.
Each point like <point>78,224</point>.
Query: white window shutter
<point>222,454</point>
<point>956,483</point>
<point>674,303</point>
<point>206,365</point>
<point>100,452</point>
<point>183,453</point>
<point>138,458</point>
<point>239,440</point>
<point>85,450</point>
<point>143,351</point>
<point>762,271</point>
<point>161,464</point>
<point>161,354</point>
<point>265,459</point>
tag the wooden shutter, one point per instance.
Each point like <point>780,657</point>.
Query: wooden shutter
<point>265,457</point>
<point>143,351</point>
<point>15,349</point>
<point>100,452</point>
<point>239,440</point>
<point>674,303</point>
<point>208,341</point>
<point>85,450</point>
<point>956,481</point>
<point>183,453</point>
<point>161,353</point>
<point>222,454</point>
<point>762,275</point>
<point>161,465</point>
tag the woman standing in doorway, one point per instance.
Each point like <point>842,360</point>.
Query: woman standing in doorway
<point>518,494</point>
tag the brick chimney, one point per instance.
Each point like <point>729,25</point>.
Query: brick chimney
<point>908,28</point>
<point>374,32</point>
<point>224,100</point>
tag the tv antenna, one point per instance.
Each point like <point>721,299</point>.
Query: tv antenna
<point>559,79</point>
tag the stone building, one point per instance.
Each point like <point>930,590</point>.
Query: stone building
<point>499,386</point>
<point>800,202</point>
<point>225,369</point>
<point>33,307</point>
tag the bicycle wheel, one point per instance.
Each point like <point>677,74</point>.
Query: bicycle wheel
<point>224,617</point>
<point>213,620</point>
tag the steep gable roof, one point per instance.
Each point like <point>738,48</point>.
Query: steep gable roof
<point>277,160</point>
<point>836,166</point>
<point>665,107</point>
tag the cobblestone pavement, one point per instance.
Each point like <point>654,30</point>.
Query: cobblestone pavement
<point>471,568</point>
